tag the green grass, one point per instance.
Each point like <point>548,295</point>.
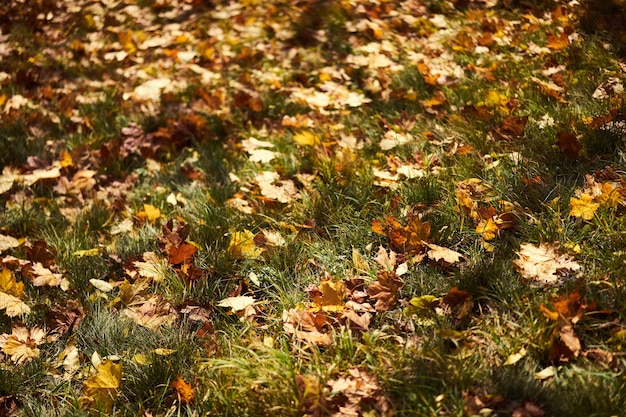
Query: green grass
<point>166,208</point>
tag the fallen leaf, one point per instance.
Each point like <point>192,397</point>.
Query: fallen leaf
<point>22,344</point>
<point>329,297</point>
<point>242,245</point>
<point>8,242</point>
<point>442,255</point>
<point>542,264</point>
<point>306,138</point>
<point>149,213</point>
<point>238,303</point>
<point>184,390</point>
<point>102,388</point>
<point>513,358</point>
<point>11,293</point>
<point>583,207</point>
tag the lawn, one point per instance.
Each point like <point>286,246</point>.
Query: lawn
<point>312,208</point>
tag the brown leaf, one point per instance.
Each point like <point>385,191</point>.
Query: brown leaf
<point>385,290</point>
<point>512,127</point>
<point>38,251</point>
<point>181,254</point>
<point>569,144</point>
<point>565,345</point>
<point>558,42</point>
<point>65,318</point>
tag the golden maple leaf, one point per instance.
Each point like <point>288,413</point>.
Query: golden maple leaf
<point>583,207</point>
<point>10,294</point>
<point>102,388</point>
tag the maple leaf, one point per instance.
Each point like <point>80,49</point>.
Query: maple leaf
<point>385,290</point>
<point>10,295</point>
<point>184,390</point>
<point>41,276</point>
<point>103,387</point>
<point>542,263</point>
<point>22,343</point>
<point>444,256</point>
<point>328,297</point>
<point>149,213</point>
<point>307,326</point>
<point>355,393</point>
<point>569,144</point>
<point>242,245</point>
<point>273,188</point>
<point>583,207</point>
<point>153,267</point>
<point>411,238</point>
<point>565,345</point>
<point>65,318</point>
<point>152,313</point>
<point>306,138</point>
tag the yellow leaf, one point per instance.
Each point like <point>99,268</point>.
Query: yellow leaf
<point>242,245</point>
<point>306,138</point>
<point>103,387</point>
<point>9,285</point>
<point>66,159</point>
<point>515,357</point>
<point>331,298</point>
<point>487,228</point>
<point>150,213</point>
<point>87,252</point>
<point>10,294</point>
<point>583,207</point>
<point>610,195</point>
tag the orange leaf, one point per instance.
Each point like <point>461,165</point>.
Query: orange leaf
<point>184,390</point>
<point>558,42</point>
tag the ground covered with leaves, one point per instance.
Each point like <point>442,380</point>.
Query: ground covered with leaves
<point>350,208</point>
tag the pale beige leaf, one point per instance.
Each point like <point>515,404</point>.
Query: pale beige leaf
<point>238,303</point>
<point>12,305</point>
<point>444,255</point>
<point>542,263</point>
<point>8,242</point>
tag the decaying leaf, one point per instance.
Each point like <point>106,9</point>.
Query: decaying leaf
<point>8,242</point>
<point>411,238</point>
<point>356,393</point>
<point>442,255</point>
<point>385,290</point>
<point>542,264</point>
<point>152,313</point>
<point>307,326</point>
